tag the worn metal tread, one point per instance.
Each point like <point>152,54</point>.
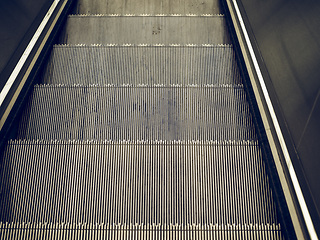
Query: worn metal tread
<point>142,64</point>
<point>102,29</point>
<point>212,112</point>
<point>145,15</point>
<point>148,7</point>
<point>118,231</point>
<point>144,182</point>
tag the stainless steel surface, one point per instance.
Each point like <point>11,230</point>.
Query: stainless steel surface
<point>138,113</point>
<point>148,7</point>
<point>144,232</point>
<point>144,182</point>
<point>145,29</point>
<point>210,64</point>
<point>191,166</point>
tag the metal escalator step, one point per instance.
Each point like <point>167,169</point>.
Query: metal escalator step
<point>99,29</point>
<point>153,182</point>
<point>142,65</point>
<point>150,7</point>
<point>143,232</point>
<point>138,113</point>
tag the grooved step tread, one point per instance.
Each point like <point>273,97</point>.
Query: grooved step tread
<point>70,64</point>
<point>148,30</point>
<point>138,113</point>
<point>105,231</point>
<point>171,182</point>
<point>127,76</point>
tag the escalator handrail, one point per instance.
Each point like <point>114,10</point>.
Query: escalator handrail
<point>266,108</point>
<point>25,56</point>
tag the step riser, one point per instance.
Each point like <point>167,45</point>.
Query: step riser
<point>147,30</point>
<point>142,65</point>
<point>150,6</point>
<point>141,113</point>
<point>135,183</point>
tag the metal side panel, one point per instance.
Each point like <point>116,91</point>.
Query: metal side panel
<point>153,182</point>
<point>69,231</point>
<point>296,213</point>
<point>97,29</point>
<point>212,64</point>
<point>143,112</point>
<point>148,7</point>
<point>17,82</point>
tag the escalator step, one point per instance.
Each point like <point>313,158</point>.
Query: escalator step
<point>150,6</point>
<point>99,29</point>
<point>141,129</point>
<point>213,112</point>
<point>144,182</point>
<point>166,65</point>
<point>143,232</point>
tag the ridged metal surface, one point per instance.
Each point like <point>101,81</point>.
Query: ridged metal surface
<point>150,6</point>
<point>135,182</point>
<point>138,113</point>
<point>147,30</point>
<point>142,65</point>
<point>105,231</point>
<point>134,77</point>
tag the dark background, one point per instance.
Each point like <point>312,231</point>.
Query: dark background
<point>286,35</point>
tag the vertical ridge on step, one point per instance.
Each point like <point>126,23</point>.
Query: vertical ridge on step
<point>210,112</point>
<point>201,65</point>
<point>145,182</point>
<point>119,231</point>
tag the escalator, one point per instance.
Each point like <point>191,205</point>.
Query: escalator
<point>139,127</point>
